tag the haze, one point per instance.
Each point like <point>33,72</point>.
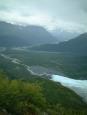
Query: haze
<point>69,15</point>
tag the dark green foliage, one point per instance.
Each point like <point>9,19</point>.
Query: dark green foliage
<point>19,97</point>
<point>38,97</point>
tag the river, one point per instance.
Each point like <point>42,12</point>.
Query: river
<point>78,86</point>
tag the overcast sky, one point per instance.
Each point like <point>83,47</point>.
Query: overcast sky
<point>66,14</point>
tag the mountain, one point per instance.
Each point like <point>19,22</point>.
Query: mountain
<point>63,35</point>
<point>76,45</point>
<point>14,35</point>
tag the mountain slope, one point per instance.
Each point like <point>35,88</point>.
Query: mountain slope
<point>14,35</point>
<point>63,35</point>
<point>77,45</point>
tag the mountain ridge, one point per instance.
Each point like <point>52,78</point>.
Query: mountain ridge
<point>76,45</point>
<point>15,35</point>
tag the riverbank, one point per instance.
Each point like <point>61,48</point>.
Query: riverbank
<point>78,86</point>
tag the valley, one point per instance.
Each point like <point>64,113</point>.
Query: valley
<point>46,71</point>
<point>49,78</point>
<point>43,57</point>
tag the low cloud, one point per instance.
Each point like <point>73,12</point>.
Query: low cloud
<point>67,14</point>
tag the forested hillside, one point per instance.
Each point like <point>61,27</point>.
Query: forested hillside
<point>37,96</point>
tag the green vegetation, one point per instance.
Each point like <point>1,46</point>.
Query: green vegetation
<point>37,97</point>
<point>20,98</point>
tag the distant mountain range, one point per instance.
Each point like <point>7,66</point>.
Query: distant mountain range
<point>63,35</point>
<point>14,35</point>
<point>76,45</point>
